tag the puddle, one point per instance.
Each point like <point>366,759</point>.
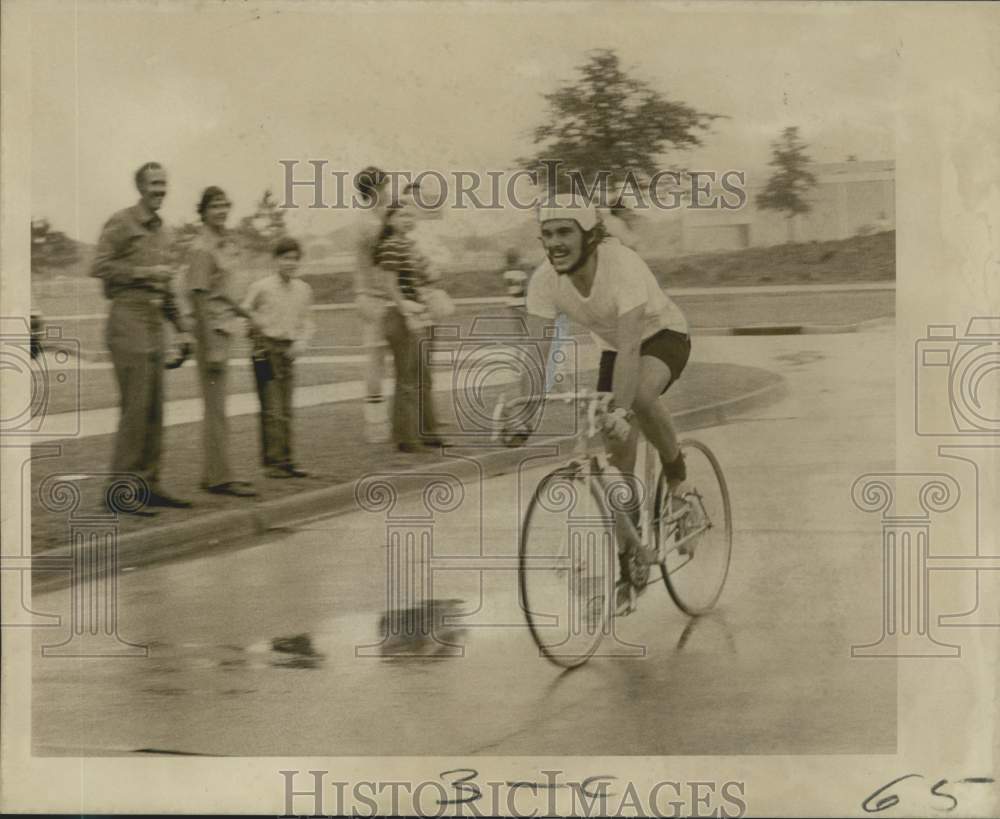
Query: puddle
<point>422,631</point>
<point>294,652</point>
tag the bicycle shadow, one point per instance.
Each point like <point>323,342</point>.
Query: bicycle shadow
<point>707,632</point>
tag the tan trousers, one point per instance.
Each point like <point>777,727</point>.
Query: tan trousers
<point>135,339</point>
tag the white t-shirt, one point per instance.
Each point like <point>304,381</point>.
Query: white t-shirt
<point>622,283</point>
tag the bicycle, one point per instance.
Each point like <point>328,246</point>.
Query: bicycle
<point>569,541</point>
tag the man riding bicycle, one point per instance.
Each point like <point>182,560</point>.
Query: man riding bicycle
<point>643,335</point>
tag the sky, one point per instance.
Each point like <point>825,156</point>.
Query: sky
<point>221,92</point>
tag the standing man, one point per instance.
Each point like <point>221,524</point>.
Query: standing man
<point>131,260</point>
<point>279,307</point>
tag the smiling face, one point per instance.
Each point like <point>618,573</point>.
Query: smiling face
<point>153,188</point>
<point>563,241</point>
<point>216,212</point>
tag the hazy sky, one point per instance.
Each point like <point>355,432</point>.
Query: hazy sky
<point>220,92</point>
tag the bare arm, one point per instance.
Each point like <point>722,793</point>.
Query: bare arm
<point>534,379</point>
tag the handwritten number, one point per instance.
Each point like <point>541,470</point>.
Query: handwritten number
<point>885,802</point>
<point>462,785</point>
<point>936,792</point>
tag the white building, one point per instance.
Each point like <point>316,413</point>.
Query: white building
<point>849,198</point>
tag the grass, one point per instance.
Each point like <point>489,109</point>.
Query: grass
<point>858,259</point>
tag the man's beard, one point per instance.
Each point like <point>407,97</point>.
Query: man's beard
<point>570,269</point>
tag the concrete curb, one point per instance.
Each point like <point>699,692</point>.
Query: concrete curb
<point>235,527</point>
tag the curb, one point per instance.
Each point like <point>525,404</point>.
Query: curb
<point>793,329</point>
<point>237,527</point>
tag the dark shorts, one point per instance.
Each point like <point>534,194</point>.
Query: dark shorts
<point>672,348</point>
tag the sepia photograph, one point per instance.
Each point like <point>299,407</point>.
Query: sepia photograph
<point>513,408</point>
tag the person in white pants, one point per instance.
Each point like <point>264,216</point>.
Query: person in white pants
<point>371,298</point>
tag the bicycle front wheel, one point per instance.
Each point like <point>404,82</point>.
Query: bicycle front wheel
<point>696,539</point>
<point>566,567</point>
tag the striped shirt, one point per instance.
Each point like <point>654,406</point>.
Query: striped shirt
<point>397,253</point>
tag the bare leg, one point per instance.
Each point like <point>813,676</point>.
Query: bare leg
<point>651,414</point>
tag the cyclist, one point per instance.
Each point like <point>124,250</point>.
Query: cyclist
<point>642,334</point>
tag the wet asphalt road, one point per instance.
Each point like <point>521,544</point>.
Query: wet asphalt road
<point>274,649</point>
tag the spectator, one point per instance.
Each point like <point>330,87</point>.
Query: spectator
<point>213,258</point>
<point>131,260</point>
<point>515,282</point>
<point>371,299</point>
<point>279,308</point>
<point>406,323</point>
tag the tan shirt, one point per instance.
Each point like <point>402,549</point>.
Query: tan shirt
<point>213,259</point>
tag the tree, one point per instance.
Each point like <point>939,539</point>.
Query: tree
<point>786,189</point>
<point>181,239</point>
<point>260,231</point>
<point>609,127</point>
<point>51,249</point>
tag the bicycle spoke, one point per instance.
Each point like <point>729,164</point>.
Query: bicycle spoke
<point>566,567</point>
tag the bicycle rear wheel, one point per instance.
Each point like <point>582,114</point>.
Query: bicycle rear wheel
<point>566,567</point>
<point>697,545</point>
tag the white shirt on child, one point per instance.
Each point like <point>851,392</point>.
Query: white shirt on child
<point>281,309</point>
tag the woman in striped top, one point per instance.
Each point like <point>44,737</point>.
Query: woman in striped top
<point>406,323</point>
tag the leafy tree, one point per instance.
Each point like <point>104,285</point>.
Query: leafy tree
<point>786,189</point>
<point>51,249</point>
<point>609,127</point>
<point>267,224</point>
<point>181,239</point>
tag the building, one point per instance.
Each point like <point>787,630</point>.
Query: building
<point>849,198</point>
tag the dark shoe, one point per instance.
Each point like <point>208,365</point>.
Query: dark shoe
<point>277,472</point>
<point>409,449</point>
<point>237,489</point>
<point>294,472</point>
<point>432,441</point>
<point>141,512</point>
<point>161,498</point>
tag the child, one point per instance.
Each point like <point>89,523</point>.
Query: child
<point>279,308</point>
<point>515,282</point>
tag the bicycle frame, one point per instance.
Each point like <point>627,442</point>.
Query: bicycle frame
<point>596,408</point>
